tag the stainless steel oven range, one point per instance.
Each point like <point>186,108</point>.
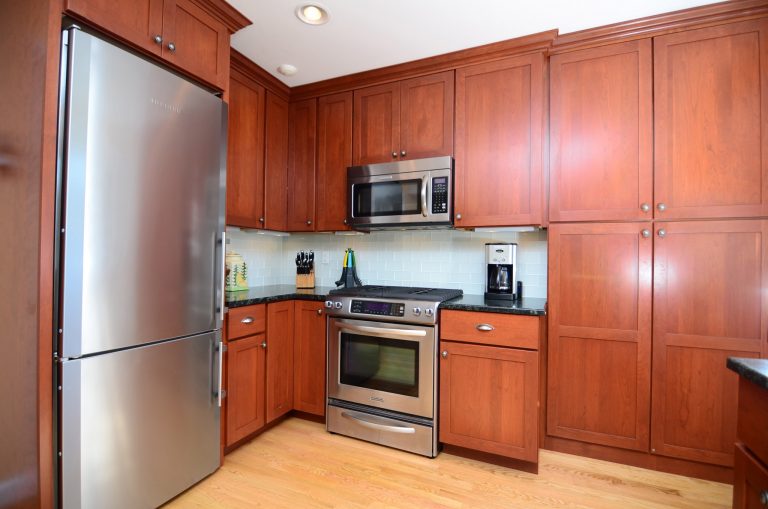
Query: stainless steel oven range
<point>382,365</point>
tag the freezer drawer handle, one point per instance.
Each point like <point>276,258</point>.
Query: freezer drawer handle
<point>221,347</point>
<point>358,418</point>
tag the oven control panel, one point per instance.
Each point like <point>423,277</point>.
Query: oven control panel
<point>373,307</point>
<point>408,311</point>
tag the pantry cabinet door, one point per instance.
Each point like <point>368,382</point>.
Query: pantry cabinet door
<point>711,122</point>
<point>599,369</point>
<point>709,304</point>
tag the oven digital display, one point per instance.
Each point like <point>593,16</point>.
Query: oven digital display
<point>369,307</point>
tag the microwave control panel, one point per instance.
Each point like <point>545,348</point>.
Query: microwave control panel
<point>440,195</point>
<point>368,307</point>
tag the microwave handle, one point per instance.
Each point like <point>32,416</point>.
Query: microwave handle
<point>424,182</point>
<point>381,331</point>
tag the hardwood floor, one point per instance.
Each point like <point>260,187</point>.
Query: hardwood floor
<point>298,465</point>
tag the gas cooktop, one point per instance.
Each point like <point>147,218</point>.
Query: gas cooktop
<point>399,292</point>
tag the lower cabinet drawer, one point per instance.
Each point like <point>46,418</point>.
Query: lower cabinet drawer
<point>750,487</point>
<point>246,320</point>
<point>498,329</point>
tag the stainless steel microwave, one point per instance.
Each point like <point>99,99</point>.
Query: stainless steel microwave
<point>404,194</point>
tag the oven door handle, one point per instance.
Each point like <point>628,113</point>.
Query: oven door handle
<point>381,331</point>
<point>424,181</point>
<point>365,422</point>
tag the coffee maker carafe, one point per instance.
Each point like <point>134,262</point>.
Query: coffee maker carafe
<point>501,271</point>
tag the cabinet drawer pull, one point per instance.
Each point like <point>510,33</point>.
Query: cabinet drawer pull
<point>485,327</point>
<point>247,320</point>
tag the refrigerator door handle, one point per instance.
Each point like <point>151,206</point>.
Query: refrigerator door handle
<point>220,348</point>
<point>223,275</point>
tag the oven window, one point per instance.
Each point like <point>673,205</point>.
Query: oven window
<point>381,364</point>
<point>387,198</point>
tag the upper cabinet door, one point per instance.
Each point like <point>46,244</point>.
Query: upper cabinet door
<point>334,155</point>
<point>499,124</point>
<point>276,163</point>
<point>302,129</point>
<point>711,122</point>
<point>196,42</point>
<point>377,124</point>
<point>138,22</point>
<point>245,154</point>
<point>601,134</point>
<point>426,116</point>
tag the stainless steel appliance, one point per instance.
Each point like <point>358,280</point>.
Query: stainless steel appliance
<point>501,271</point>
<point>405,194</point>
<point>382,365</point>
<point>141,199</point>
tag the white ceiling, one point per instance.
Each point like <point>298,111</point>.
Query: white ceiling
<point>367,34</point>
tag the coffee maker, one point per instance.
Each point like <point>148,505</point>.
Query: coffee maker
<point>501,271</point>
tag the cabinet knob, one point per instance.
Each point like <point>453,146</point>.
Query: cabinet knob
<point>261,219</point>
<point>645,207</point>
<point>645,233</point>
<point>394,154</point>
<point>458,216</point>
<point>661,207</point>
<point>485,327</point>
<point>263,344</point>
<point>402,153</point>
<point>444,354</point>
<point>171,47</point>
<point>764,498</point>
<point>158,39</point>
<point>345,221</point>
<point>662,232</point>
<point>319,311</point>
<point>309,222</point>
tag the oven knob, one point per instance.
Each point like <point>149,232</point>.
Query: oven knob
<point>417,311</point>
<point>429,311</point>
<point>329,304</point>
<point>337,305</point>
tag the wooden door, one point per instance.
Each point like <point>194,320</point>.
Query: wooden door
<point>302,132</point>
<point>499,123</point>
<point>276,163</point>
<point>709,304</point>
<point>245,153</point>
<point>376,122</point>
<point>334,155</point>
<point>489,399</point>
<point>711,122</point>
<point>196,42</point>
<point>309,358</point>
<point>599,385</point>
<point>750,487</point>
<point>601,134</point>
<point>279,385</point>
<point>137,22</point>
<point>245,387</point>
<point>426,116</point>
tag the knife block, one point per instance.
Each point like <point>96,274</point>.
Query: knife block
<point>305,280</point>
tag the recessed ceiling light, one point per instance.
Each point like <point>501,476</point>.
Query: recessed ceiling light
<point>287,70</point>
<point>312,14</point>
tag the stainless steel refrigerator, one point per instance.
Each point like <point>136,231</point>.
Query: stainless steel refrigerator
<point>142,157</point>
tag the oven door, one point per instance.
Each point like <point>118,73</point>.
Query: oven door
<point>384,365</point>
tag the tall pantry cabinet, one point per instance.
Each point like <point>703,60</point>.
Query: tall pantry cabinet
<point>659,210</point>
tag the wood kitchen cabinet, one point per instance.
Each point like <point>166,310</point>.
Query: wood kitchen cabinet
<point>599,385</point>
<point>309,358</point>
<point>245,387</point>
<point>489,396</point>
<point>750,486</point>
<point>302,134</point>
<point>189,34</point>
<point>409,119</point>
<point>601,133</point>
<point>276,163</point>
<point>334,156</point>
<point>499,131</point>
<point>711,111</point>
<point>279,376</point>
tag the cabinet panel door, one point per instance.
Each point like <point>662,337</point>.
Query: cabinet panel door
<point>499,123</point>
<point>302,131</point>
<point>279,387</point>
<point>601,133</point>
<point>489,399</point>
<point>334,155</point>
<point>376,124</point>
<point>245,153</point>
<point>711,121</point>
<point>276,163</point>
<point>138,22</point>
<point>309,358</point>
<point>201,43</point>
<point>600,333</point>
<point>426,116</point>
<point>751,481</point>
<point>709,304</point>
<point>245,387</point>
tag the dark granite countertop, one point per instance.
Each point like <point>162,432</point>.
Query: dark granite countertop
<point>273,293</point>
<point>754,370</point>
<point>525,306</point>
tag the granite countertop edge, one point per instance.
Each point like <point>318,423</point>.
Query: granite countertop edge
<point>277,293</point>
<point>754,370</point>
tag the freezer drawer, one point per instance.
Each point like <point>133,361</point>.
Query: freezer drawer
<point>139,426</point>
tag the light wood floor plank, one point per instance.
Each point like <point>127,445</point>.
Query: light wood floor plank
<point>298,465</point>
